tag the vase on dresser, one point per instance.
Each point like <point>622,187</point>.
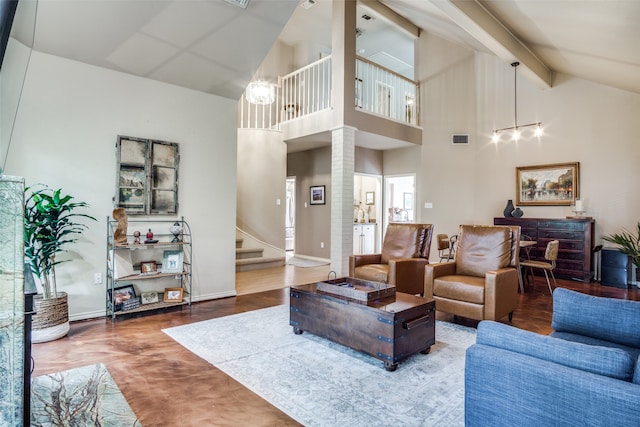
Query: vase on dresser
<point>507,212</point>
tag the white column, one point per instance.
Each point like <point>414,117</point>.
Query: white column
<point>342,167</point>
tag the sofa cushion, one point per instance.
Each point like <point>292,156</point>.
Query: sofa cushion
<point>482,248</point>
<point>403,241</point>
<point>611,362</point>
<point>608,319</point>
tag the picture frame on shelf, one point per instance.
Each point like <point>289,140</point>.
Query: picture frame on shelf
<point>173,294</point>
<point>172,261</point>
<point>317,195</point>
<point>121,295</point>
<point>548,185</point>
<point>370,198</point>
<point>148,268</point>
<point>149,297</point>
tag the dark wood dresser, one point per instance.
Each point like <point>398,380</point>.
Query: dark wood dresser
<point>576,236</point>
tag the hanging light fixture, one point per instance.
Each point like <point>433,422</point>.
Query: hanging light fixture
<point>515,135</point>
<point>261,92</point>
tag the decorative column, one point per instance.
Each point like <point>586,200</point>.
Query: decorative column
<point>342,168</point>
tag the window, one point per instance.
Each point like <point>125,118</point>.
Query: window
<point>147,176</point>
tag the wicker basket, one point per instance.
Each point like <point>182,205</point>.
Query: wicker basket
<point>51,320</point>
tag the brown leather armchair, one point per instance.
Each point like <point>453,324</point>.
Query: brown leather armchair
<point>405,252</point>
<point>482,282</point>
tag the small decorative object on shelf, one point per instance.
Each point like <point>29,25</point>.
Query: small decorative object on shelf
<point>517,213</point>
<point>136,237</point>
<point>120,235</point>
<point>173,295</point>
<point>149,297</point>
<point>148,267</point>
<point>507,212</point>
<point>176,230</point>
<point>150,238</point>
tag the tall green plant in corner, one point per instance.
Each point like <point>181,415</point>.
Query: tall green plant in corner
<point>629,244</point>
<point>48,227</point>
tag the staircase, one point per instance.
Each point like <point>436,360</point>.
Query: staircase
<point>249,259</point>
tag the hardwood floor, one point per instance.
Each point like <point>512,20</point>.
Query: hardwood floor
<point>167,385</point>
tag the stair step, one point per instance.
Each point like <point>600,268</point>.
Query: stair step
<point>250,264</point>
<point>239,243</point>
<point>248,253</point>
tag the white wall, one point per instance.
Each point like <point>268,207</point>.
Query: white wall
<point>467,92</point>
<point>66,130</point>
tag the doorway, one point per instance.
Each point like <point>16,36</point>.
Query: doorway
<point>399,201</point>
<point>290,216</point>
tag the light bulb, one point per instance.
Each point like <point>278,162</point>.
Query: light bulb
<point>538,131</point>
<point>495,137</point>
<point>516,135</point>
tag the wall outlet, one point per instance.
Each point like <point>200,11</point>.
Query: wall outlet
<point>277,202</point>
<point>321,245</point>
<point>97,278</point>
<point>428,205</point>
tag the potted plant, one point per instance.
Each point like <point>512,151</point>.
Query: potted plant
<point>629,245</point>
<point>48,227</point>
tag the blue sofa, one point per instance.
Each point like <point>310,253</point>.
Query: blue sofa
<point>585,373</point>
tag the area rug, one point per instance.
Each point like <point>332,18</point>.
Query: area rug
<point>86,396</point>
<point>304,262</point>
<point>320,383</point>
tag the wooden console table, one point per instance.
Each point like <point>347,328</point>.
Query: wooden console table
<point>576,237</point>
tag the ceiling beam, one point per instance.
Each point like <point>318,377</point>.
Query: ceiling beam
<point>475,19</point>
<point>391,17</point>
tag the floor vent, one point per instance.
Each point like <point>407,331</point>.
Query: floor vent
<point>458,139</point>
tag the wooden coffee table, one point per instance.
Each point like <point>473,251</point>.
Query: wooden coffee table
<point>390,328</point>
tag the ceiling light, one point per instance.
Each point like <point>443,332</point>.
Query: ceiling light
<point>308,4</point>
<point>516,128</point>
<point>261,92</point>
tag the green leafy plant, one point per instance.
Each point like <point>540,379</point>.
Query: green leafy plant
<point>48,227</point>
<point>628,242</point>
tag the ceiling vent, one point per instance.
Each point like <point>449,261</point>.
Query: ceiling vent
<point>459,139</point>
<point>359,32</point>
<point>308,4</point>
<point>367,17</point>
<point>240,3</point>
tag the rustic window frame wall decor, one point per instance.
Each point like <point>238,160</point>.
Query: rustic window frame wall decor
<point>147,181</point>
<point>562,186</point>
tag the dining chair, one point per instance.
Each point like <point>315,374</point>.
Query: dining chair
<point>550,255</point>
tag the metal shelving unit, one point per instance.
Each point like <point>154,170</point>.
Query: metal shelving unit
<point>123,266</point>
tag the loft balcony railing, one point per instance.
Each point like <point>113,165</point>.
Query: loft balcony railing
<point>385,93</point>
<point>379,91</point>
<point>307,90</point>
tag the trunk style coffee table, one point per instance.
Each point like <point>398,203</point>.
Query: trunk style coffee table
<point>365,316</point>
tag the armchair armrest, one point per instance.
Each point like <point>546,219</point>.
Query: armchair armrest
<point>433,271</point>
<point>408,273</point>
<point>364,259</point>
<point>500,290</point>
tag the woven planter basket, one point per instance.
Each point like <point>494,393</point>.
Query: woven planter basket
<point>51,320</point>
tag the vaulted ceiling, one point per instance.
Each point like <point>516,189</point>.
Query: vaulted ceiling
<point>216,47</point>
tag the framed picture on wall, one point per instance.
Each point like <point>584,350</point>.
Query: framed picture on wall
<point>407,201</point>
<point>370,198</point>
<point>316,195</point>
<point>548,185</point>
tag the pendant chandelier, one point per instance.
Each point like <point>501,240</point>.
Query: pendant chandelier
<point>516,128</point>
<point>261,92</point>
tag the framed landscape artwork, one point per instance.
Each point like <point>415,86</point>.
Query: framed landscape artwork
<point>548,185</point>
<point>316,196</point>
